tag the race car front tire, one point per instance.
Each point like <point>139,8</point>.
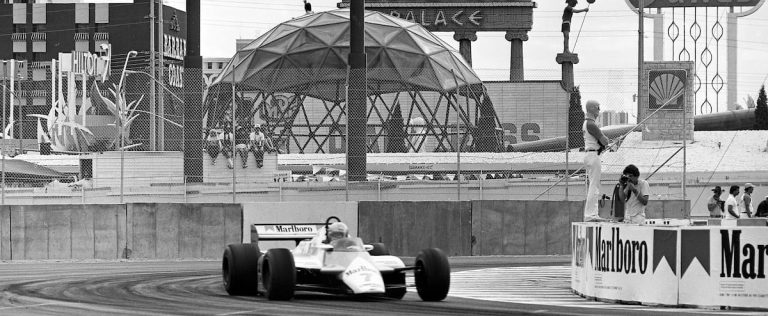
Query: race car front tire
<point>238,269</point>
<point>278,273</point>
<point>432,274</point>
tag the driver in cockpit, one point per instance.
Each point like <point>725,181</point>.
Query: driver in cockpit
<point>337,230</point>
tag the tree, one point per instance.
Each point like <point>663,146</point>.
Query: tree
<point>575,120</point>
<point>761,111</point>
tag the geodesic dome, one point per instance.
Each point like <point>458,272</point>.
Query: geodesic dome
<point>316,47</point>
<point>293,81</point>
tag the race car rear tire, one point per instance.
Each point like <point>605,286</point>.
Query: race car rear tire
<point>278,273</point>
<point>396,279</point>
<point>379,249</point>
<point>432,274</point>
<point>238,269</point>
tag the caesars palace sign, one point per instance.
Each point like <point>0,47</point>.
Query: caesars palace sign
<point>453,15</point>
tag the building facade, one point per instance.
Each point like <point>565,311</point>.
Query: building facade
<point>35,32</point>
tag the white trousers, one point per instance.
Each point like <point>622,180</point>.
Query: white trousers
<point>592,166</point>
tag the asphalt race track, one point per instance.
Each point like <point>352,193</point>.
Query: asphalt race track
<point>195,288</point>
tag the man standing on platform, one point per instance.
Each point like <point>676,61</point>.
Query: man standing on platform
<point>745,203</point>
<point>594,144</point>
<point>731,204</point>
<point>715,205</point>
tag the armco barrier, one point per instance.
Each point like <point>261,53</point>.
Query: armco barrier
<point>62,232</point>
<point>408,227</point>
<point>172,231</point>
<point>504,227</point>
<point>297,213</point>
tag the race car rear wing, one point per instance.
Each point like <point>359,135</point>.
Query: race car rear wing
<point>295,232</point>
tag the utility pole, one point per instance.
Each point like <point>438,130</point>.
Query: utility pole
<point>4,136</point>
<point>152,105</point>
<point>356,103</point>
<point>640,55</point>
<point>193,96</point>
<point>161,103</point>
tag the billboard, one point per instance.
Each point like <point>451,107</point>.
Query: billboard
<point>687,265</point>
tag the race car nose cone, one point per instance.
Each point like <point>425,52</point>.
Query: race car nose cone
<point>362,277</point>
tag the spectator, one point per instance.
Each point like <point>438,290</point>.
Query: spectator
<point>213,143</point>
<point>762,208</point>
<point>635,192</point>
<point>226,144</point>
<point>745,202</point>
<point>715,205</point>
<point>242,143</point>
<point>594,144</point>
<point>566,26</point>
<point>731,204</point>
<point>259,143</point>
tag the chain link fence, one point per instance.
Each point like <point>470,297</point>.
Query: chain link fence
<point>429,134</point>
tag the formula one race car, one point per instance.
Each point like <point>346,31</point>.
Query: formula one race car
<point>343,266</point>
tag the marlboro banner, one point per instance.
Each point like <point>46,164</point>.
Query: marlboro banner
<point>625,262</point>
<point>724,266</point>
<point>692,265</point>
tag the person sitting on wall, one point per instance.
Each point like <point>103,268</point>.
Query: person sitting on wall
<point>259,144</point>
<point>213,143</point>
<point>242,143</point>
<point>635,192</point>
<point>566,26</point>
<point>226,144</point>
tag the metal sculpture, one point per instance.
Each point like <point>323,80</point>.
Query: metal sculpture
<point>293,81</point>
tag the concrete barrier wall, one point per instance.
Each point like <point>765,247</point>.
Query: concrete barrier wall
<point>507,227</point>
<point>407,227</point>
<point>5,232</point>
<point>298,213</point>
<point>655,209</point>
<point>62,232</point>
<point>172,231</point>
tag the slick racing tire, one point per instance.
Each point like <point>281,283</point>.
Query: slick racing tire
<point>432,274</point>
<point>238,268</point>
<point>395,279</point>
<point>379,249</point>
<point>278,273</point>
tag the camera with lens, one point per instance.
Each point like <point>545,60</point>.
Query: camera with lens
<point>623,180</point>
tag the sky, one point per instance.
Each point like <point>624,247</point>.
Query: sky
<point>607,44</point>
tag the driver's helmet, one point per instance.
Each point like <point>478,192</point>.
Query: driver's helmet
<point>337,230</point>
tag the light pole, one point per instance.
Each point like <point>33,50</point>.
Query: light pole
<point>121,94</point>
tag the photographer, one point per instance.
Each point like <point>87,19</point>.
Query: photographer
<point>635,192</point>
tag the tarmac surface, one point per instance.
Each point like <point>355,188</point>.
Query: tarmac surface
<point>195,288</point>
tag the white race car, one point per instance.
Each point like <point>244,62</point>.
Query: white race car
<point>344,266</point>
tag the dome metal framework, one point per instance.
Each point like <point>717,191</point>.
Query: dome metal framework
<point>293,81</point>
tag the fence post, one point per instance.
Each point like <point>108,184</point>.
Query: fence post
<point>482,178</point>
